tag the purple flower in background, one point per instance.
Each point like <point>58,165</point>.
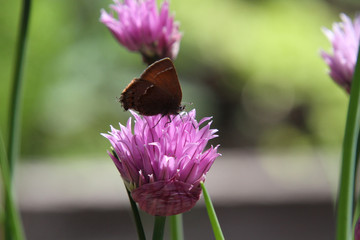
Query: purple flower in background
<point>139,26</point>
<point>163,162</point>
<point>357,230</point>
<point>345,42</point>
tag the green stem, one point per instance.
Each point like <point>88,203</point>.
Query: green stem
<point>347,179</point>
<point>212,214</point>
<point>159,226</point>
<point>13,227</point>
<point>135,210</point>
<point>357,204</point>
<point>16,96</point>
<point>177,232</point>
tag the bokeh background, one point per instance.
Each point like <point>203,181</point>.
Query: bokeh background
<point>253,65</point>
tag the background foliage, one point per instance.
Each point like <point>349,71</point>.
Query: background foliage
<point>253,65</point>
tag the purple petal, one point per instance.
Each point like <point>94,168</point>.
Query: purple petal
<point>157,151</point>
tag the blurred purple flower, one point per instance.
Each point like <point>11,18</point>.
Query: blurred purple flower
<point>139,26</point>
<point>357,230</point>
<point>163,162</point>
<point>345,42</point>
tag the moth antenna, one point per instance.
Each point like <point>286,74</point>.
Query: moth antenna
<point>158,120</point>
<point>192,120</point>
<point>163,115</point>
<point>170,120</point>
<point>188,103</point>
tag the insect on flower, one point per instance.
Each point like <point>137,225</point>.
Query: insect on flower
<point>157,91</point>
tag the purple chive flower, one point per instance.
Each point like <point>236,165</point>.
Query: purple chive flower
<point>345,42</point>
<point>139,26</point>
<point>357,231</point>
<point>163,162</point>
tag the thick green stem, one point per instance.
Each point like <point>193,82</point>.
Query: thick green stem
<point>13,227</point>
<point>212,214</point>
<point>16,96</point>
<point>357,204</point>
<point>135,211</point>
<point>347,179</point>
<point>177,232</point>
<point>159,226</point>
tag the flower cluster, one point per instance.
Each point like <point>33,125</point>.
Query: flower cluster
<point>163,162</point>
<point>345,43</point>
<point>139,26</point>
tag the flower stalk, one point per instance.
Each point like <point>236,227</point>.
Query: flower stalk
<point>347,179</point>
<point>159,226</point>
<point>137,219</point>
<point>13,227</point>
<point>212,214</point>
<point>16,96</point>
<point>176,223</point>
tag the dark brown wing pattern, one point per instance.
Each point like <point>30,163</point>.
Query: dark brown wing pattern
<point>157,91</point>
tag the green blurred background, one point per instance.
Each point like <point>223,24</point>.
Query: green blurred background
<point>252,64</point>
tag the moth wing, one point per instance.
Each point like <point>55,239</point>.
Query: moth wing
<point>163,74</point>
<point>148,99</point>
